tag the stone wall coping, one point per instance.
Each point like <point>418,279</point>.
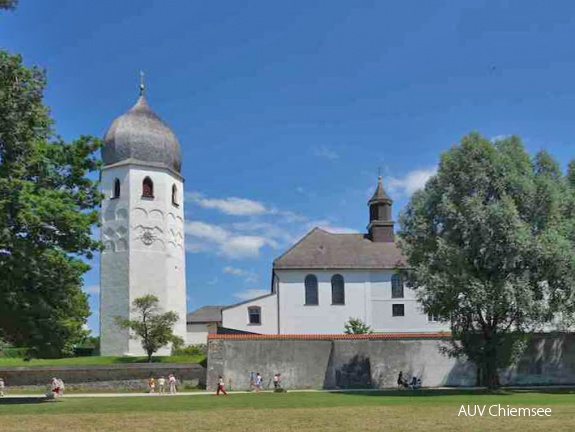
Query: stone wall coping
<point>170,366</point>
<point>371,336</point>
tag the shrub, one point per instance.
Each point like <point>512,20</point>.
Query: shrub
<point>191,350</point>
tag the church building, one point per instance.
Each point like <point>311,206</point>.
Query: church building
<point>326,278</point>
<point>142,225</point>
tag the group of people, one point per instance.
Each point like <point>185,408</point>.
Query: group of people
<point>162,384</point>
<point>256,383</point>
<point>414,384</point>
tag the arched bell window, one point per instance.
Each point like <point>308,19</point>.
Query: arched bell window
<point>337,290</point>
<point>175,196</point>
<point>117,187</point>
<point>147,188</point>
<point>311,294</point>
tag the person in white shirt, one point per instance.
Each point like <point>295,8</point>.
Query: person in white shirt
<point>258,382</point>
<point>161,384</point>
<point>2,385</point>
<point>172,383</point>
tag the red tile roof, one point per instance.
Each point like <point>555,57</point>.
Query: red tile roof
<point>372,336</point>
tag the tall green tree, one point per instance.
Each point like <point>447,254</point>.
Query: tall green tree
<point>491,244</point>
<point>48,202</point>
<point>152,327</point>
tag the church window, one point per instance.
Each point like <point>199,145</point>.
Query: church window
<point>373,213</point>
<point>337,290</point>
<point>311,294</point>
<point>432,318</point>
<point>175,196</point>
<point>398,310</point>
<point>396,286</point>
<point>255,315</point>
<point>147,188</point>
<point>116,193</point>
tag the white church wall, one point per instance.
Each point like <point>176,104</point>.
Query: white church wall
<point>414,320</point>
<point>296,317</point>
<point>197,334</point>
<point>236,317</point>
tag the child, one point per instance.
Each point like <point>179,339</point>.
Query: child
<point>221,387</point>
<point>258,382</point>
<point>2,385</point>
<point>172,383</point>
<point>55,387</point>
<point>161,385</point>
<point>277,381</point>
<point>152,384</point>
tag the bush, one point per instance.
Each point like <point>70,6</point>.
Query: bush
<point>191,350</point>
<point>14,353</point>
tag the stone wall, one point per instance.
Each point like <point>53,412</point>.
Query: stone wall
<point>117,375</point>
<point>341,361</point>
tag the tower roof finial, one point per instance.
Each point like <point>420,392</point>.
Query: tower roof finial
<point>142,86</point>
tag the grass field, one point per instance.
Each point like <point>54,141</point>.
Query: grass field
<point>377,411</point>
<point>96,360</point>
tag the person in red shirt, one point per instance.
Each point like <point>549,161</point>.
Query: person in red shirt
<point>221,387</point>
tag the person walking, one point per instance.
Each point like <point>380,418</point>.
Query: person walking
<point>221,387</point>
<point>2,386</point>
<point>277,381</point>
<point>161,385</point>
<point>152,385</point>
<point>172,383</point>
<point>258,382</point>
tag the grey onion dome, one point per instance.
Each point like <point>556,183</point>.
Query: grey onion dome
<point>141,136</point>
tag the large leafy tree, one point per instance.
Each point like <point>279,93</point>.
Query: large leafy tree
<point>491,244</point>
<point>152,326</point>
<point>47,208</point>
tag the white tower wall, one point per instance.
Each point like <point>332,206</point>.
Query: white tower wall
<point>144,252</point>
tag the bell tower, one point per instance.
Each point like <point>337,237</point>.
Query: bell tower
<point>380,226</point>
<point>142,225</point>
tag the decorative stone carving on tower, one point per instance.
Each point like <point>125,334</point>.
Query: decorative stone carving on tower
<point>380,226</point>
<point>141,183</point>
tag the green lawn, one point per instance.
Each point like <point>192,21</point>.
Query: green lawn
<point>85,361</point>
<point>376,411</point>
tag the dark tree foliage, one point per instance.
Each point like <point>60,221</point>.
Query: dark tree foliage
<point>8,4</point>
<point>47,208</point>
<point>491,241</point>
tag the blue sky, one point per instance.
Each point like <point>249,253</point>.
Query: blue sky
<point>285,110</point>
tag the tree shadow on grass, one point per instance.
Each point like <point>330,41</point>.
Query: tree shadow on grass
<point>460,392</point>
<point>23,400</point>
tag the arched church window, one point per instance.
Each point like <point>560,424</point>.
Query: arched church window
<point>147,188</point>
<point>337,290</point>
<point>311,294</point>
<point>396,286</point>
<point>175,196</point>
<point>116,193</point>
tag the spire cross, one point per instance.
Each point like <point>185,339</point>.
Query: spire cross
<point>142,87</point>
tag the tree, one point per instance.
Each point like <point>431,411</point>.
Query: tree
<point>8,4</point>
<point>356,326</point>
<point>490,243</point>
<point>48,205</point>
<point>154,328</point>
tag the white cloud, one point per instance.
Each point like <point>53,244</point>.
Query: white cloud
<point>208,237</point>
<point>325,153</point>
<point>92,289</point>
<point>500,137</point>
<point>248,276</point>
<point>250,294</point>
<point>411,182</point>
<point>230,206</point>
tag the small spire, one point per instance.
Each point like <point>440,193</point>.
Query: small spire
<point>142,86</point>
